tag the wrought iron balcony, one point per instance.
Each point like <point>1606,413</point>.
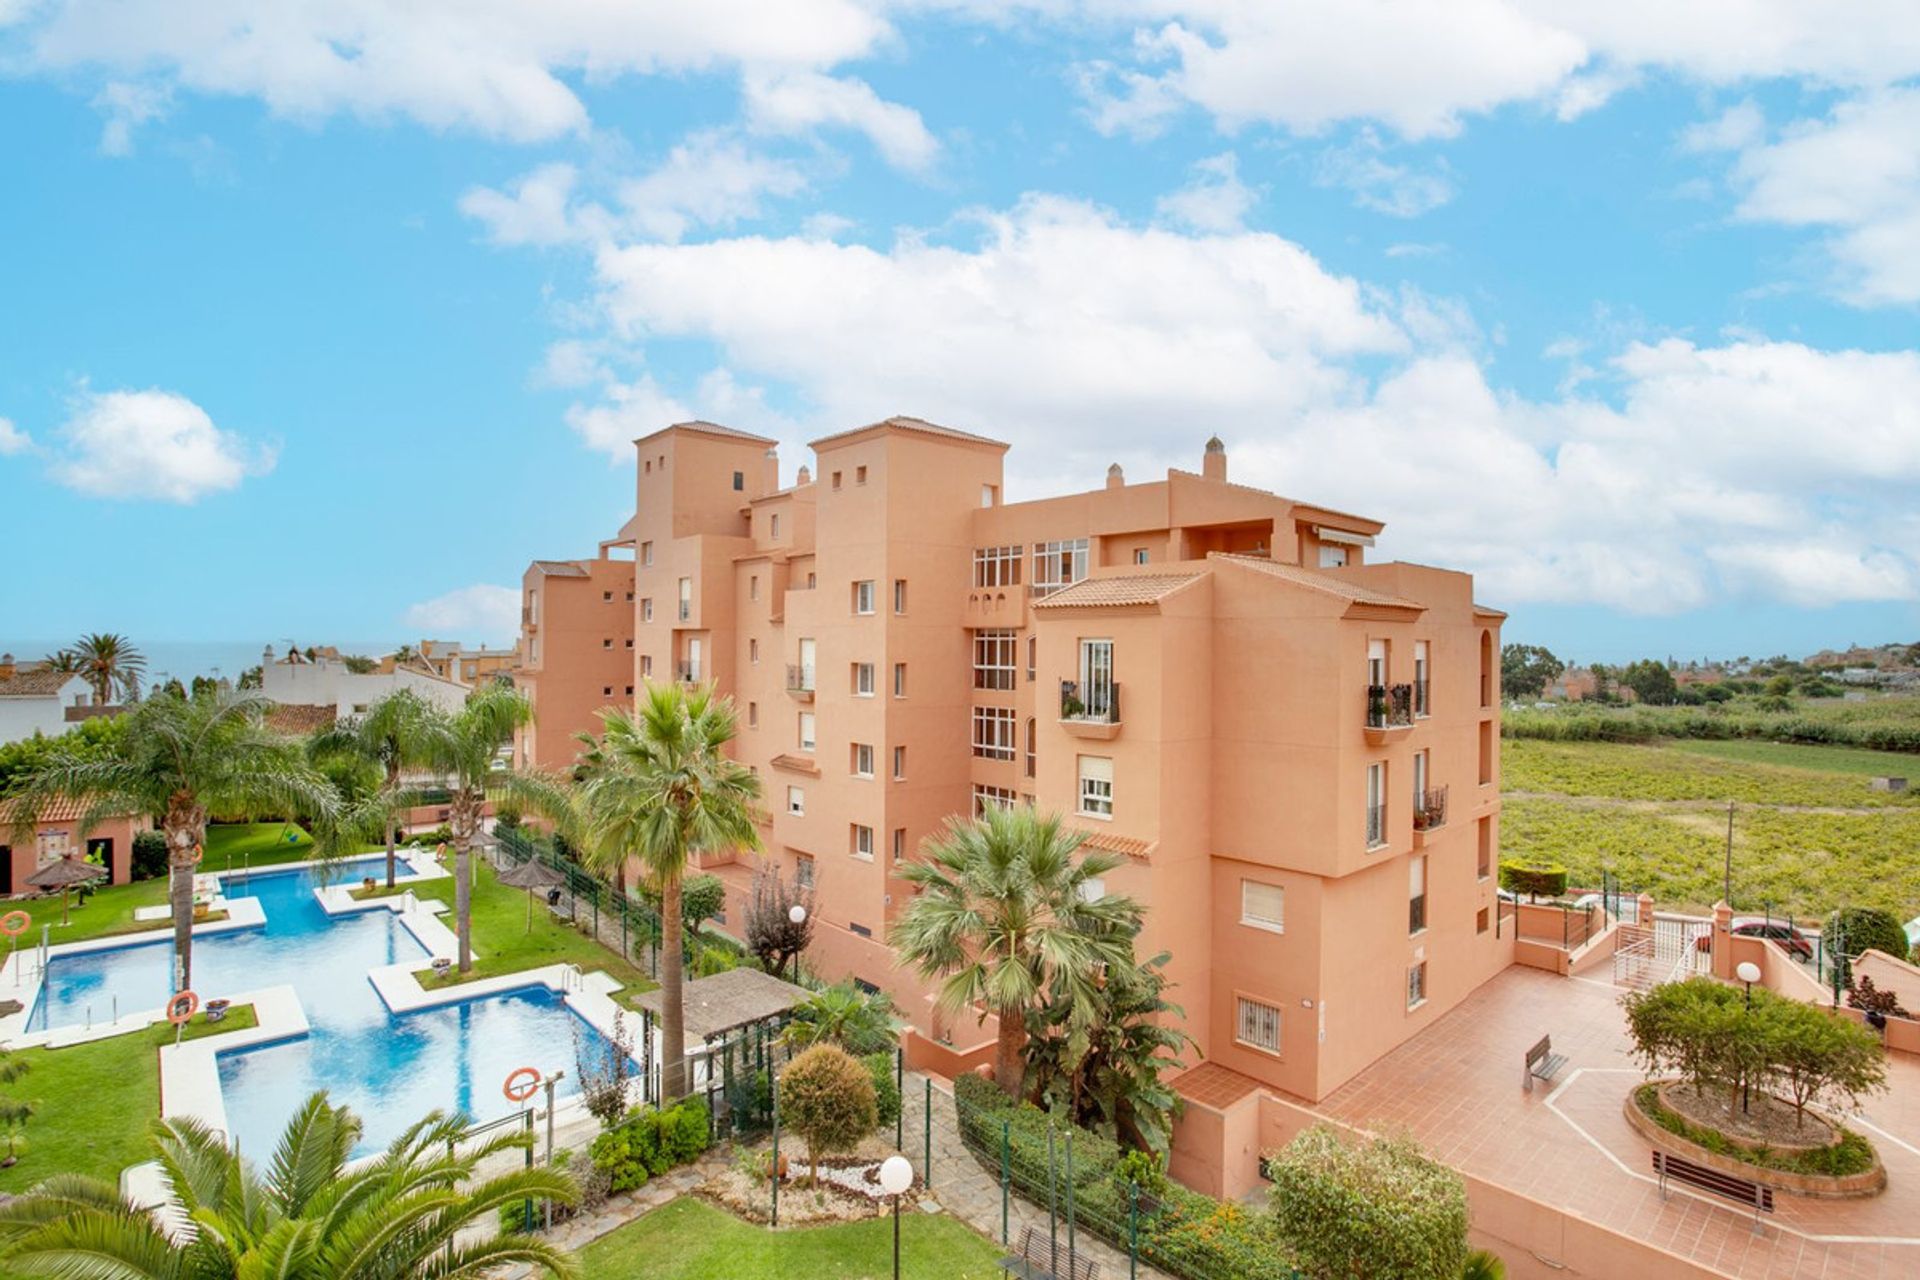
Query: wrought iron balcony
<point>1430,809</point>
<point>1389,709</point>
<point>800,681</point>
<point>687,673</point>
<point>1092,710</point>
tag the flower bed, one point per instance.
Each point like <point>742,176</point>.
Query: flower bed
<point>1847,1168</point>
<point>849,1188</point>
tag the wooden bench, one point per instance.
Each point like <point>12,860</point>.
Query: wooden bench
<point>1043,1257</point>
<point>1542,1062</point>
<point>1741,1190</point>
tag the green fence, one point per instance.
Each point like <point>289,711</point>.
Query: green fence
<point>586,897</point>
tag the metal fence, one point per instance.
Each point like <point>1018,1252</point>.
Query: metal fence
<point>912,1128</point>
<point>586,896</point>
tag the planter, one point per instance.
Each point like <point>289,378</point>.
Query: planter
<point>217,1009</point>
<point>1853,1186</point>
<point>367,884</point>
<point>442,966</point>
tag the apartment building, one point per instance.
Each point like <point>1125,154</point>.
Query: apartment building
<point>576,649</point>
<point>1293,748</point>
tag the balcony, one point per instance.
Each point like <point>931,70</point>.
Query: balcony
<point>1376,825</point>
<point>1429,813</point>
<point>996,607</point>
<point>687,673</point>
<point>1389,711</point>
<point>1422,703</point>
<point>800,681</point>
<point>1092,712</point>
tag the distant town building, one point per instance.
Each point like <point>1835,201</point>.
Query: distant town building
<point>36,699</point>
<point>324,681</point>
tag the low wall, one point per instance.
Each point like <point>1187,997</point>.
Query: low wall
<point>1782,975</point>
<point>1217,1150</point>
<point>951,1061</point>
<point>1539,955</point>
<point>1890,973</point>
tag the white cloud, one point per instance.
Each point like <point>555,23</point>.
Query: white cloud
<point>628,410</point>
<point>151,444</point>
<point>127,106</point>
<point>483,611</point>
<point>536,211</point>
<point>1216,199</point>
<point>12,439</point>
<point>799,101</point>
<point>1734,129</point>
<point>1377,184</point>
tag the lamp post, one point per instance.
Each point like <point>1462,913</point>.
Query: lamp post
<point>797,913</point>
<point>1748,972</point>
<point>896,1175</point>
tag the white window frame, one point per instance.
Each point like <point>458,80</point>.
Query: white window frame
<point>1095,792</point>
<point>1422,680</point>
<point>807,732</point>
<point>686,599</point>
<point>996,658</point>
<point>1417,892</point>
<point>646,555</point>
<point>899,764</point>
<point>1416,985</point>
<point>803,871</point>
<point>796,801</point>
<point>900,596</point>
<point>646,609</point>
<point>862,761</point>
<point>1252,909</point>
<point>861,842</point>
<point>1251,1022</point>
<point>994,733</point>
<point>899,679</point>
<point>984,795</point>
<point>998,566</point>
<point>1058,564</point>
<point>863,679</point>
<point>863,597</point>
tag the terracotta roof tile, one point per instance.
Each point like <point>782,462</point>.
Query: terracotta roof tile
<point>561,568</point>
<point>796,764</point>
<point>1127,589</point>
<point>716,429</point>
<point>1315,581</point>
<point>921,425</point>
<point>1127,845</point>
<point>298,717</point>
<point>59,809</point>
<point>34,682</point>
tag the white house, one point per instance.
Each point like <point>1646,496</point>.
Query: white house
<point>35,700</point>
<point>321,681</point>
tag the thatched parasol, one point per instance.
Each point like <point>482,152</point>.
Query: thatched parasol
<point>63,875</point>
<point>530,875</point>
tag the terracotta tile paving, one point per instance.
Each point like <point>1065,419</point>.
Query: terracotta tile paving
<point>1457,1087</point>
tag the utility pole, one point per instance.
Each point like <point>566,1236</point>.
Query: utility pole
<point>1726,894</point>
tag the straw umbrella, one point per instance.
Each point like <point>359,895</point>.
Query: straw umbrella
<point>63,875</point>
<point>530,875</point>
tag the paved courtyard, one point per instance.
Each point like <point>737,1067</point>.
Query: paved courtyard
<point>1457,1087</point>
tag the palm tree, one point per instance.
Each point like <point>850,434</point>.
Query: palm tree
<point>109,662</point>
<point>65,661</point>
<point>399,1216</point>
<point>390,735</point>
<point>843,1015</point>
<point>1002,918</point>
<point>180,759</point>
<point>660,790</point>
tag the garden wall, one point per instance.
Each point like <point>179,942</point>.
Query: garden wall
<point>951,1061</point>
<point>1782,975</point>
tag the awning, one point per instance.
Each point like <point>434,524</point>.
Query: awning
<point>1327,534</point>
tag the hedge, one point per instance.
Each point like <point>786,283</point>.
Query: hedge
<point>1534,879</point>
<point>650,1141</point>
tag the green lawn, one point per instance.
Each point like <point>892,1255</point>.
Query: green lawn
<point>93,1102</point>
<point>689,1239</point>
<point>1749,772</point>
<point>1803,756</point>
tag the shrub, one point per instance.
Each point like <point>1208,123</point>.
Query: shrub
<point>149,855</point>
<point>1533,879</point>
<point>860,1022</point>
<point>886,1089</point>
<point>1857,929</point>
<point>1143,1169</point>
<point>827,1097</point>
<point>649,1142</point>
<point>1849,1155</point>
<point>1382,1208</point>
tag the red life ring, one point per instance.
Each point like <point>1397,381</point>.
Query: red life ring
<point>180,1009</point>
<point>198,853</point>
<point>521,1084</point>
<point>15,923</point>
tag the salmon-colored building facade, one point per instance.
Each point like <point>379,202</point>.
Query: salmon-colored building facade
<point>576,650</point>
<point>1295,749</point>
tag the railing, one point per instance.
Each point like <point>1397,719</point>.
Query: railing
<point>1430,809</point>
<point>799,678</point>
<point>1421,705</point>
<point>1389,706</point>
<point>1101,704</point>
<point>686,610</point>
<point>640,927</point>
<point>687,673</point>
<point>1376,825</point>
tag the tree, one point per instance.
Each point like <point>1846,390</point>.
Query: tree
<point>1854,930</point>
<point>844,1015</point>
<point>662,790</point>
<point>604,1069</point>
<point>180,759</point>
<point>772,935</point>
<point>1813,1054</point>
<point>1356,1210</point>
<point>1002,917</point>
<point>1701,1030</point>
<point>93,738</point>
<point>392,735</point>
<point>827,1097</point>
<point>702,898</point>
<point>1526,669</point>
<point>402,1215</point>
<point>359,664</point>
<point>110,662</point>
<point>1651,682</point>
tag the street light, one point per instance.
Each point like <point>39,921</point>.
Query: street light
<point>797,913</point>
<point>1748,972</point>
<point>896,1175</point>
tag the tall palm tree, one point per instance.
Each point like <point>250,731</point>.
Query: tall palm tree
<point>1002,919</point>
<point>65,661</point>
<point>180,759</point>
<point>397,1217</point>
<point>661,789</point>
<point>391,735</point>
<point>109,662</point>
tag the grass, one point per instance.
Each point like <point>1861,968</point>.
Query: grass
<point>93,1102</point>
<point>1764,773</point>
<point>689,1239</point>
<point>1803,756</point>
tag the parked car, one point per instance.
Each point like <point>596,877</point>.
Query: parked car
<point>1791,940</point>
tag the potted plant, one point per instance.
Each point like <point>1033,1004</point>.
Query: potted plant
<point>366,884</point>
<point>1377,705</point>
<point>442,966</point>
<point>217,1009</point>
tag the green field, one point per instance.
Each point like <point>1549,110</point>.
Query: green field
<point>1808,834</point>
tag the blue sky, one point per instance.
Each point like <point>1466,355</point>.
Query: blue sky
<point>322,326</point>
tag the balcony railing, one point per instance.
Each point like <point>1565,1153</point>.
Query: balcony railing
<point>687,673</point>
<point>1421,706</point>
<point>1376,825</point>
<point>799,678</point>
<point>686,610</point>
<point>1389,706</point>
<point>1100,703</point>
<point>1430,809</point>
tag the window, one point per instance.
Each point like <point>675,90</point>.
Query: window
<point>629,597</point>
<point>862,760</point>
<point>806,731</point>
<point>1377,662</point>
<point>646,609</point>
<point>1033,655</point>
<point>899,763</point>
<point>863,679</point>
<point>803,871</point>
<point>899,843</point>
<point>989,494</point>
<point>836,479</point>
<point>997,566</point>
<point>773,524</point>
<point>1140,555</point>
<point>860,930</point>
<point>1257,1025</point>
<point>646,665</point>
<point>1480,921</point>
<point>1263,906</point>
<point>753,714</point>
<point>753,586</point>
<point>1333,557</point>
<point>1421,706</point>
<point>859,475</point>
<point>1058,564</point>
<point>800,675</point>
<point>1417,985</point>
<point>1096,690</point>
<point>646,554</point>
<point>1376,805</point>
<point>998,797</point>
<point>862,842</point>
<point>863,596</point>
<point>899,679</point>
<point>1092,889</point>
<point>993,729</point>
<point>1096,786</point>
<point>899,595</point>
<point>739,481</point>
<point>1486,753</point>
<point>994,656</point>
<point>629,691</point>
<point>753,651</point>
<point>686,598</point>
<point>1417,894</point>
<point>606,597</point>
<point>629,643</point>
<point>1483,867</point>
<point>796,802</point>
<point>1032,733</point>
<point>607,643</point>
<point>606,691</point>
<point>1420,781</point>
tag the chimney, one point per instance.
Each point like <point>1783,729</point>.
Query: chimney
<point>6,666</point>
<point>1214,465</point>
<point>805,476</point>
<point>1116,478</point>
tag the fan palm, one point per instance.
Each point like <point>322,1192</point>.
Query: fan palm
<point>390,735</point>
<point>398,1216</point>
<point>181,759</point>
<point>1002,919</point>
<point>659,790</point>
<point>109,662</point>
<point>844,1015</point>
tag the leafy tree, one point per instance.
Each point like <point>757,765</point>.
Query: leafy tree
<point>1358,1210</point>
<point>93,738</point>
<point>702,898</point>
<point>844,1015</point>
<point>171,686</point>
<point>180,758</point>
<point>826,1096</point>
<point>403,1215</point>
<point>1651,682</point>
<point>1001,916</point>
<point>253,677</point>
<point>1854,930</point>
<point>149,855</point>
<point>392,736</point>
<point>359,664</point>
<point>772,935</point>
<point>1701,1030</point>
<point>1526,669</point>
<point>604,1069</point>
<point>110,663</point>
<point>1813,1054</point>
<point>1533,879</point>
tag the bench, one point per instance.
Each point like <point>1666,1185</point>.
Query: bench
<point>1742,1190</point>
<point>1542,1062</point>
<point>1042,1256</point>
